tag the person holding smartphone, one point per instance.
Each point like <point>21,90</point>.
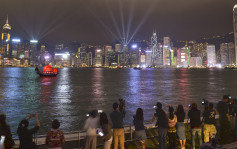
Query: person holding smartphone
<point>25,134</point>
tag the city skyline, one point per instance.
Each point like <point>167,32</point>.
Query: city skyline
<point>104,21</point>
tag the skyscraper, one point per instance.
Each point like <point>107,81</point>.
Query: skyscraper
<point>211,56</point>
<point>5,51</point>
<point>154,49</point>
<point>166,52</point>
<point>33,59</point>
<point>235,30</point>
<point>108,55</point>
<point>227,53</point>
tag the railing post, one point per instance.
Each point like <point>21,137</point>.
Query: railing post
<point>79,139</point>
<point>131,131</point>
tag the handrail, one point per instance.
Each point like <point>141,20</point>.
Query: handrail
<point>81,134</point>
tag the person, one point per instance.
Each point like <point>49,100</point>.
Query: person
<point>25,134</point>
<point>6,131</point>
<point>90,127</point>
<point>209,128</point>
<point>233,112</point>
<point>138,121</point>
<point>162,124</point>
<point>118,130</point>
<point>55,137</point>
<point>180,127</point>
<point>196,128</point>
<point>224,119</point>
<point>172,120</point>
<point>106,128</point>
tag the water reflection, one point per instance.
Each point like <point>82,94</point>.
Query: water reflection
<point>74,92</point>
<point>46,89</point>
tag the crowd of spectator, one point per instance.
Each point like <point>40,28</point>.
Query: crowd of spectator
<point>170,124</point>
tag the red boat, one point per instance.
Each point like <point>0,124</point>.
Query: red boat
<point>48,71</point>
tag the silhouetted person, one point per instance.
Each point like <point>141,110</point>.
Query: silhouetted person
<point>117,119</point>
<point>107,133</point>
<point>5,131</point>
<point>223,110</point>
<point>172,120</point>
<point>162,124</point>
<point>138,121</point>
<point>25,134</point>
<point>180,127</point>
<point>196,125</point>
<point>209,123</point>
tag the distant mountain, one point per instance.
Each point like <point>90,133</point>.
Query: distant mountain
<point>217,40</point>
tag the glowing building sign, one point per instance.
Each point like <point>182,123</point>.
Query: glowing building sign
<point>16,40</point>
<point>34,41</point>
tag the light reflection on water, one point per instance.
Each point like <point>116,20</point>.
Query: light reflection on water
<point>75,92</point>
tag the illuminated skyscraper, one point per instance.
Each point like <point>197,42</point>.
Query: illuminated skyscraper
<point>5,51</point>
<point>16,47</point>
<point>154,49</point>
<point>108,55</point>
<point>227,53</point>
<point>33,59</point>
<point>211,56</point>
<point>117,47</point>
<point>98,58</point>
<point>148,58</point>
<point>166,52</point>
<point>235,30</point>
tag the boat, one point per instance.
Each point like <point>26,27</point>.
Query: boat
<point>48,71</point>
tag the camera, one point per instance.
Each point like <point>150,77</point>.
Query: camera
<point>205,103</point>
<point>121,104</point>
<point>99,132</point>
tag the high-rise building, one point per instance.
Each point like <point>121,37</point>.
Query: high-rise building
<point>33,59</point>
<point>235,30</point>
<point>154,49</point>
<point>98,58</point>
<point>149,57</point>
<point>227,53</point>
<point>182,57</point>
<point>160,54</point>
<point>166,52</point>
<point>211,56</point>
<point>62,59</point>
<point>6,37</point>
<point>108,55</point>
<point>195,62</point>
<point>15,46</point>
<point>117,47</point>
<point>43,57</point>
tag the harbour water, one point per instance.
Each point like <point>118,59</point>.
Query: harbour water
<point>74,92</point>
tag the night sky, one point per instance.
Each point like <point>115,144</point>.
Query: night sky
<point>110,20</point>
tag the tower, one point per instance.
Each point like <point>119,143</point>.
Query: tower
<point>166,52</point>
<point>154,49</point>
<point>211,56</point>
<point>5,51</point>
<point>235,30</point>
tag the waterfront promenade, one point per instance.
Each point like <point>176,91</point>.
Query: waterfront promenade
<point>75,140</point>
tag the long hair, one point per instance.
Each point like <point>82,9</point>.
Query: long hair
<point>171,113</point>
<point>180,109</point>
<point>139,114</point>
<point>103,118</point>
<point>23,124</point>
<point>3,121</point>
